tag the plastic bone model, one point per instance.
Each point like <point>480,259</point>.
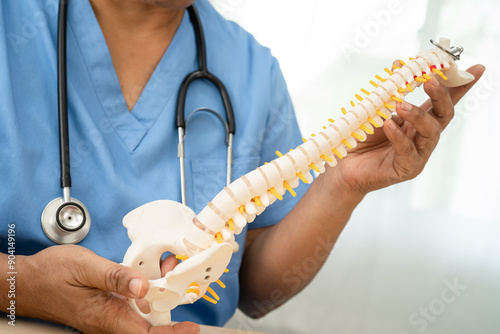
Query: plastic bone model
<point>204,242</point>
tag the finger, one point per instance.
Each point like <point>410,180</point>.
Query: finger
<point>143,305</point>
<point>403,146</point>
<point>397,63</point>
<point>180,328</point>
<point>427,127</point>
<point>168,264</point>
<point>117,317</point>
<point>399,121</point>
<point>97,272</point>
<point>440,99</point>
<point>186,328</point>
<point>111,316</point>
<point>457,93</point>
<point>131,322</point>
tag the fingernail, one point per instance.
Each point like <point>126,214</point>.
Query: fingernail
<point>406,106</point>
<point>435,82</point>
<point>135,287</point>
<point>390,123</point>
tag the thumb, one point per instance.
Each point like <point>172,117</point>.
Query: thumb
<point>103,274</point>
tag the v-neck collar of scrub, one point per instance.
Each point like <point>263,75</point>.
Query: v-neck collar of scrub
<point>131,126</point>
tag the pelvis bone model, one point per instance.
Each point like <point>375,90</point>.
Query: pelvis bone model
<point>204,242</point>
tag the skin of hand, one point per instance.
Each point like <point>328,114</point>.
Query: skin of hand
<point>400,150</point>
<point>71,285</point>
<point>396,152</point>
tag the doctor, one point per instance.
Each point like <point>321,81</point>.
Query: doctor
<point>126,61</point>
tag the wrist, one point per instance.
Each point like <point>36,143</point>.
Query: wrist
<point>10,286</point>
<point>25,279</point>
<point>335,196</point>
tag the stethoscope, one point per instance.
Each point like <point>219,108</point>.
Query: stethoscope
<point>66,220</point>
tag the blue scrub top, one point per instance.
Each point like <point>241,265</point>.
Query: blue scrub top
<point>120,159</point>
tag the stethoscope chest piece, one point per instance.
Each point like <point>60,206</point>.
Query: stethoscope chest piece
<point>65,222</point>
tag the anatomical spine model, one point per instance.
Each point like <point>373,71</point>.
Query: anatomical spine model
<point>205,242</point>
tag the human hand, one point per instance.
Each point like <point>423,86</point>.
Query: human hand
<point>400,150</point>
<point>71,285</point>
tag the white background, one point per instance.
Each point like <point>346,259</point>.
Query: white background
<point>404,245</point>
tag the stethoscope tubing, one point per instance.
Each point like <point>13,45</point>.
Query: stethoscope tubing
<point>60,227</point>
<point>202,73</point>
<point>182,133</point>
<point>62,90</point>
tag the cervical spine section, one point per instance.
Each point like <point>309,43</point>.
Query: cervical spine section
<point>248,196</point>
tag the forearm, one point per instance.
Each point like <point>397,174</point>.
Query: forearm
<point>9,283</point>
<point>4,284</point>
<point>286,257</point>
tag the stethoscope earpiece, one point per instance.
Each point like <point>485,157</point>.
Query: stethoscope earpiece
<point>65,222</point>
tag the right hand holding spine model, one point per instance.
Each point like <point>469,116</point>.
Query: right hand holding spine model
<point>205,241</point>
